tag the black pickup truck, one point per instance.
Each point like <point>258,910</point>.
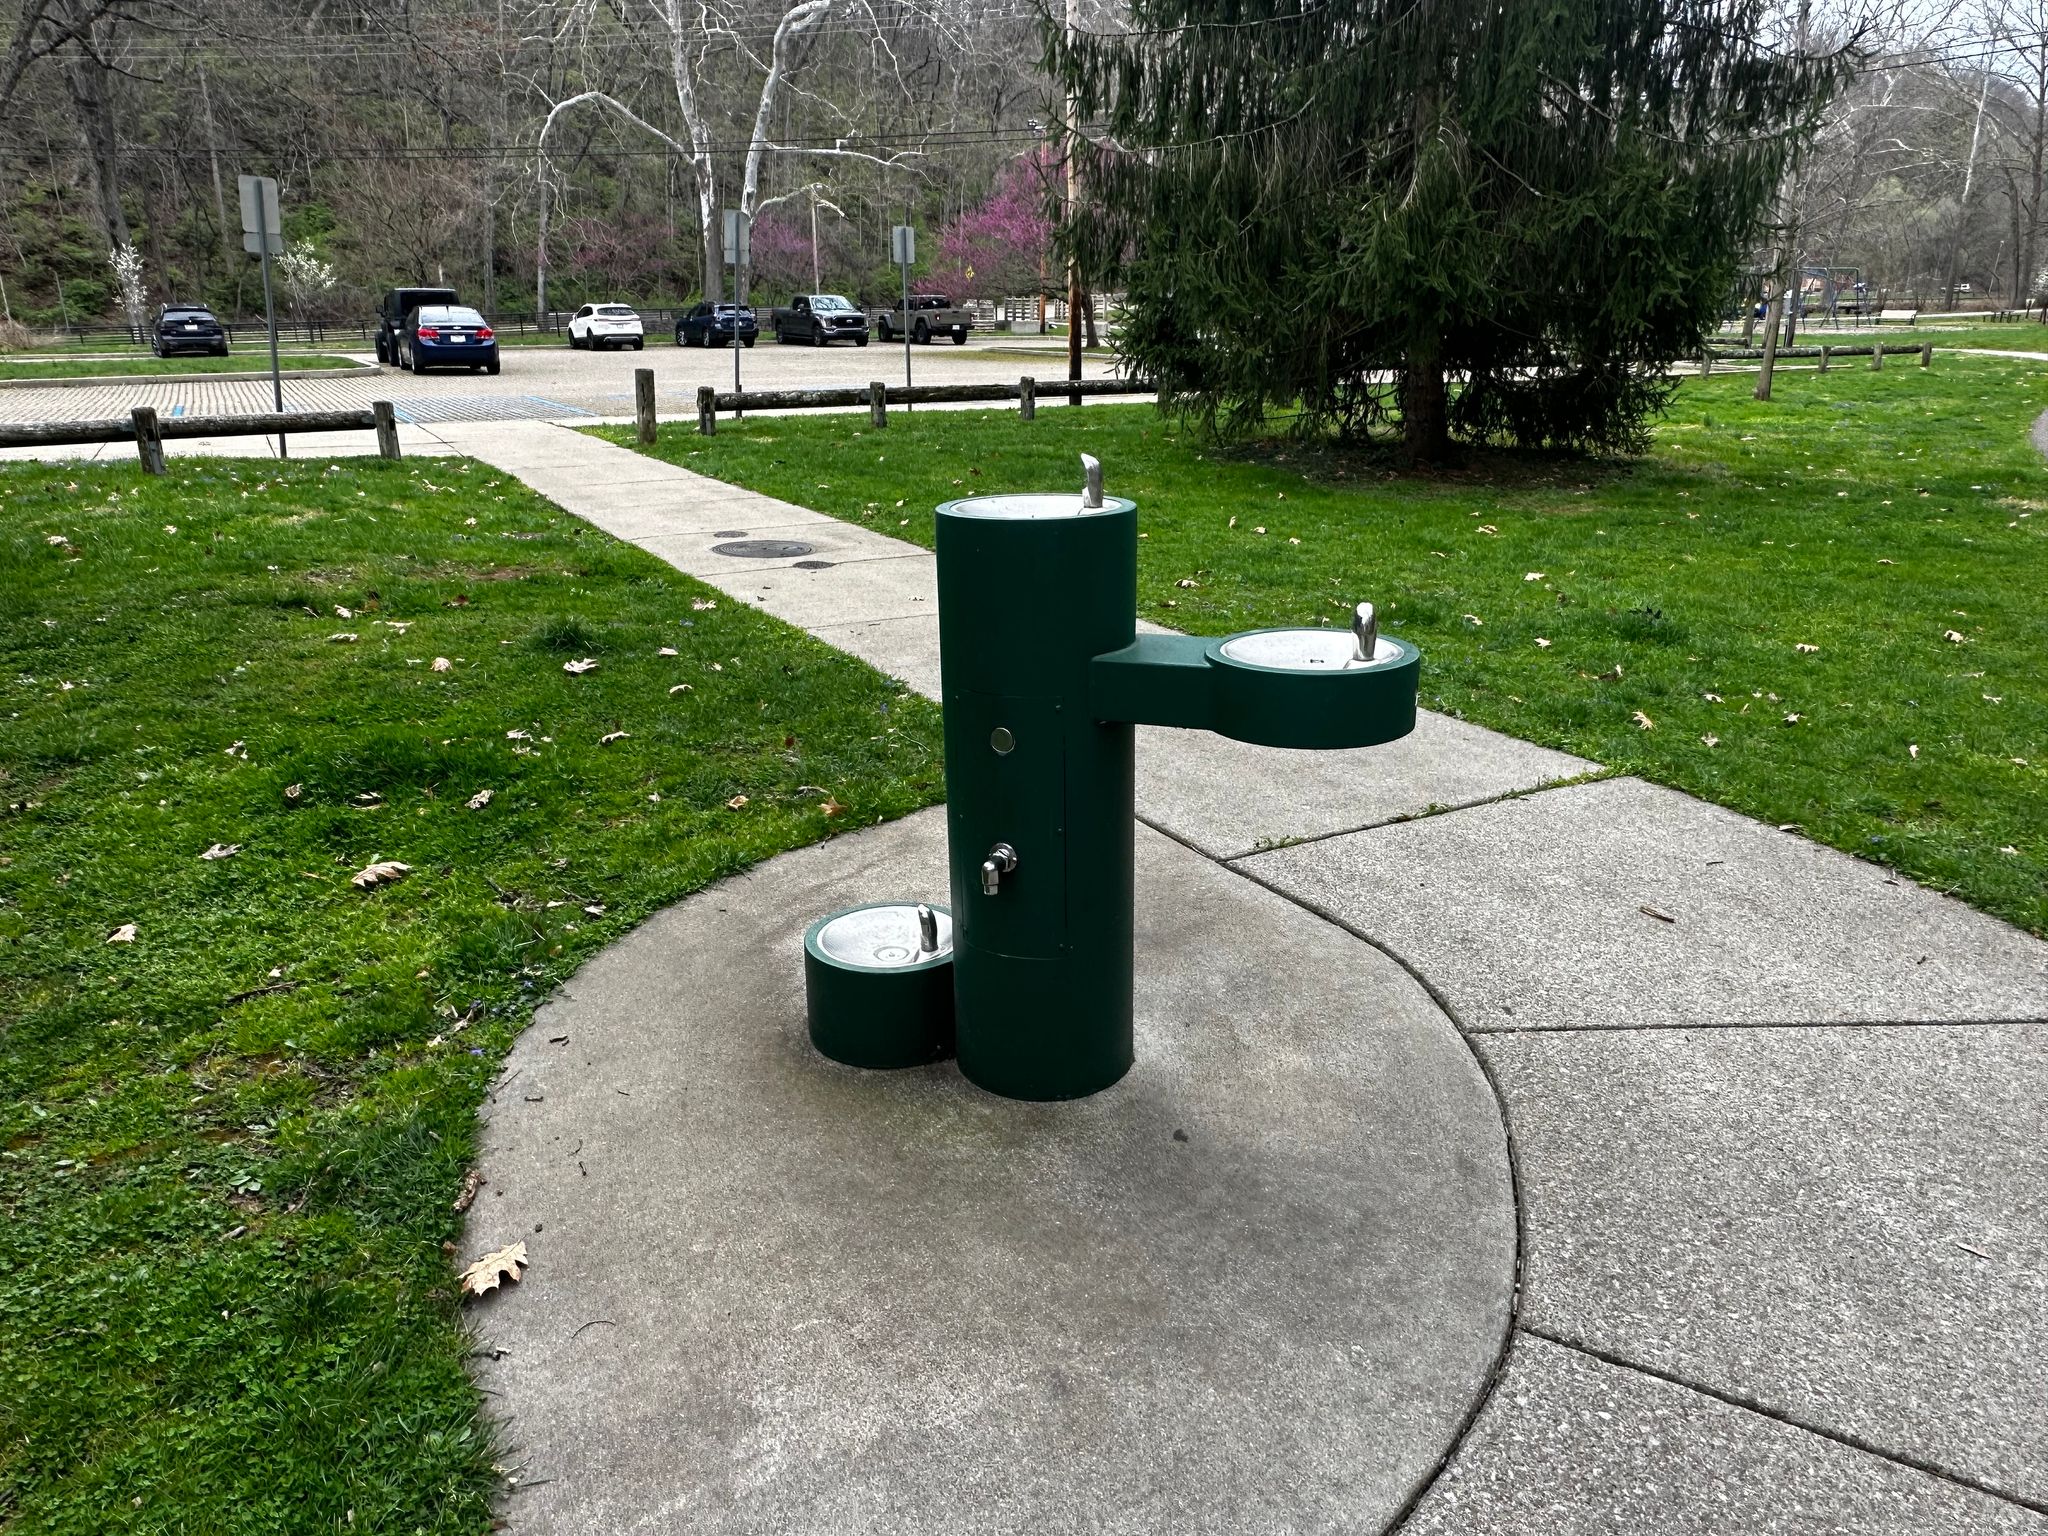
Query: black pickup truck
<point>820,319</point>
<point>392,309</point>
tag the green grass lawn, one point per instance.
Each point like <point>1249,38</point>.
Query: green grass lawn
<point>147,364</point>
<point>229,1149</point>
<point>1826,610</point>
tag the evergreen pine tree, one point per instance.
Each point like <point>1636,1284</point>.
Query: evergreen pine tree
<point>1494,219</point>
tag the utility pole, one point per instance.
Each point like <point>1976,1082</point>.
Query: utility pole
<point>1073,207</point>
<point>817,274</point>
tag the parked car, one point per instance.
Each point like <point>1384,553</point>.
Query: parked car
<point>931,314</point>
<point>446,336</point>
<point>607,325</point>
<point>819,318</point>
<point>187,328</point>
<point>711,325</point>
<point>392,309</point>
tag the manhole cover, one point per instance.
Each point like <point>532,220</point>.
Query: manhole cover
<point>730,533</point>
<point>761,549</point>
<point>813,565</point>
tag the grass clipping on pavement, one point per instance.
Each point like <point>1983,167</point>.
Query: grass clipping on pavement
<point>1823,611</point>
<point>239,1068</point>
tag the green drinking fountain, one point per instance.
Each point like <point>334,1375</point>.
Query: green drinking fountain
<point>1044,679</point>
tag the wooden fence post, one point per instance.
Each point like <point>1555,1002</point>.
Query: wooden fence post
<point>643,402</point>
<point>1826,352</point>
<point>707,409</point>
<point>1876,356</point>
<point>149,439</point>
<point>1027,398</point>
<point>1926,354</point>
<point>878,403</point>
<point>387,429</point>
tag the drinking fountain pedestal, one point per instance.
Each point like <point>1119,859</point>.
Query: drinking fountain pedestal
<point>1031,590</point>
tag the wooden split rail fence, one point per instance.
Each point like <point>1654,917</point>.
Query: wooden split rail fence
<point>1877,352</point>
<point>878,397</point>
<point>150,431</point>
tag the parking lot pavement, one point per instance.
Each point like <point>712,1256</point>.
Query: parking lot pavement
<point>549,383</point>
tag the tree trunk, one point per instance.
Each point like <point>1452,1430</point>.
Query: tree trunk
<point>94,105</point>
<point>1763,378</point>
<point>1425,429</point>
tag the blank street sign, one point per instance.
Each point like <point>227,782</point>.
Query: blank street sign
<point>903,245</point>
<point>739,239</point>
<point>264,187</point>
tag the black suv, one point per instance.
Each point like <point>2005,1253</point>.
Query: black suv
<point>711,325</point>
<point>391,313</point>
<point>187,328</point>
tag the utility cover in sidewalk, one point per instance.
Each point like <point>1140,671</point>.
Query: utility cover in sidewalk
<point>762,549</point>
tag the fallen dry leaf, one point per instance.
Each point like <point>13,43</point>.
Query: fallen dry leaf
<point>1805,649</point>
<point>831,806</point>
<point>1643,720</point>
<point>682,688</point>
<point>700,604</point>
<point>222,851</point>
<point>480,799</point>
<point>1913,750</point>
<point>378,873</point>
<point>443,664</point>
<point>578,668</point>
<point>1542,644</point>
<point>293,791</point>
<point>612,736</point>
<point>1711,740</point>
<point>125,934</point>
<point>346,637</point>
<point>343,613</point>
<point>471,1180</point>
<point>736,802</point>
<point>668,650</point>
<point>487,1271</point>
<point>1954,637</point>
<point>518,736</point>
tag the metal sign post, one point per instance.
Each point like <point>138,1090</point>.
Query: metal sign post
<point>739,250</point>
<point>903,249</point>
<point>262,234</point>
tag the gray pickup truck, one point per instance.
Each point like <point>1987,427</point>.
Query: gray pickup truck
<point>820,319</point>
<point>931,315</point>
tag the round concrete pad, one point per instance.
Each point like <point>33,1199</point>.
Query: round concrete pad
<point>1255,1286</point>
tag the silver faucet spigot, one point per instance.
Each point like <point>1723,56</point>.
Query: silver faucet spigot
<point>1365,629</point>
<point>1091,475</point>
<point>1000,861</point>
<point>927,930</point>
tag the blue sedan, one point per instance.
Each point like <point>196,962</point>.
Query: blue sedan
<point>447,336</point>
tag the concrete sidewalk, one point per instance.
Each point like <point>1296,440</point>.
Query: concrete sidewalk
<point>1778,1174</point>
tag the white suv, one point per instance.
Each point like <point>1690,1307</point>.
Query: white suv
<point>607,325</point>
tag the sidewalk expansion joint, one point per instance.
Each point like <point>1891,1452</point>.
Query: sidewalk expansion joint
<point>1427,813</point>
<point>1751,1405</point>
<point>1499,1365</point>
<point>1667,1024</point>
